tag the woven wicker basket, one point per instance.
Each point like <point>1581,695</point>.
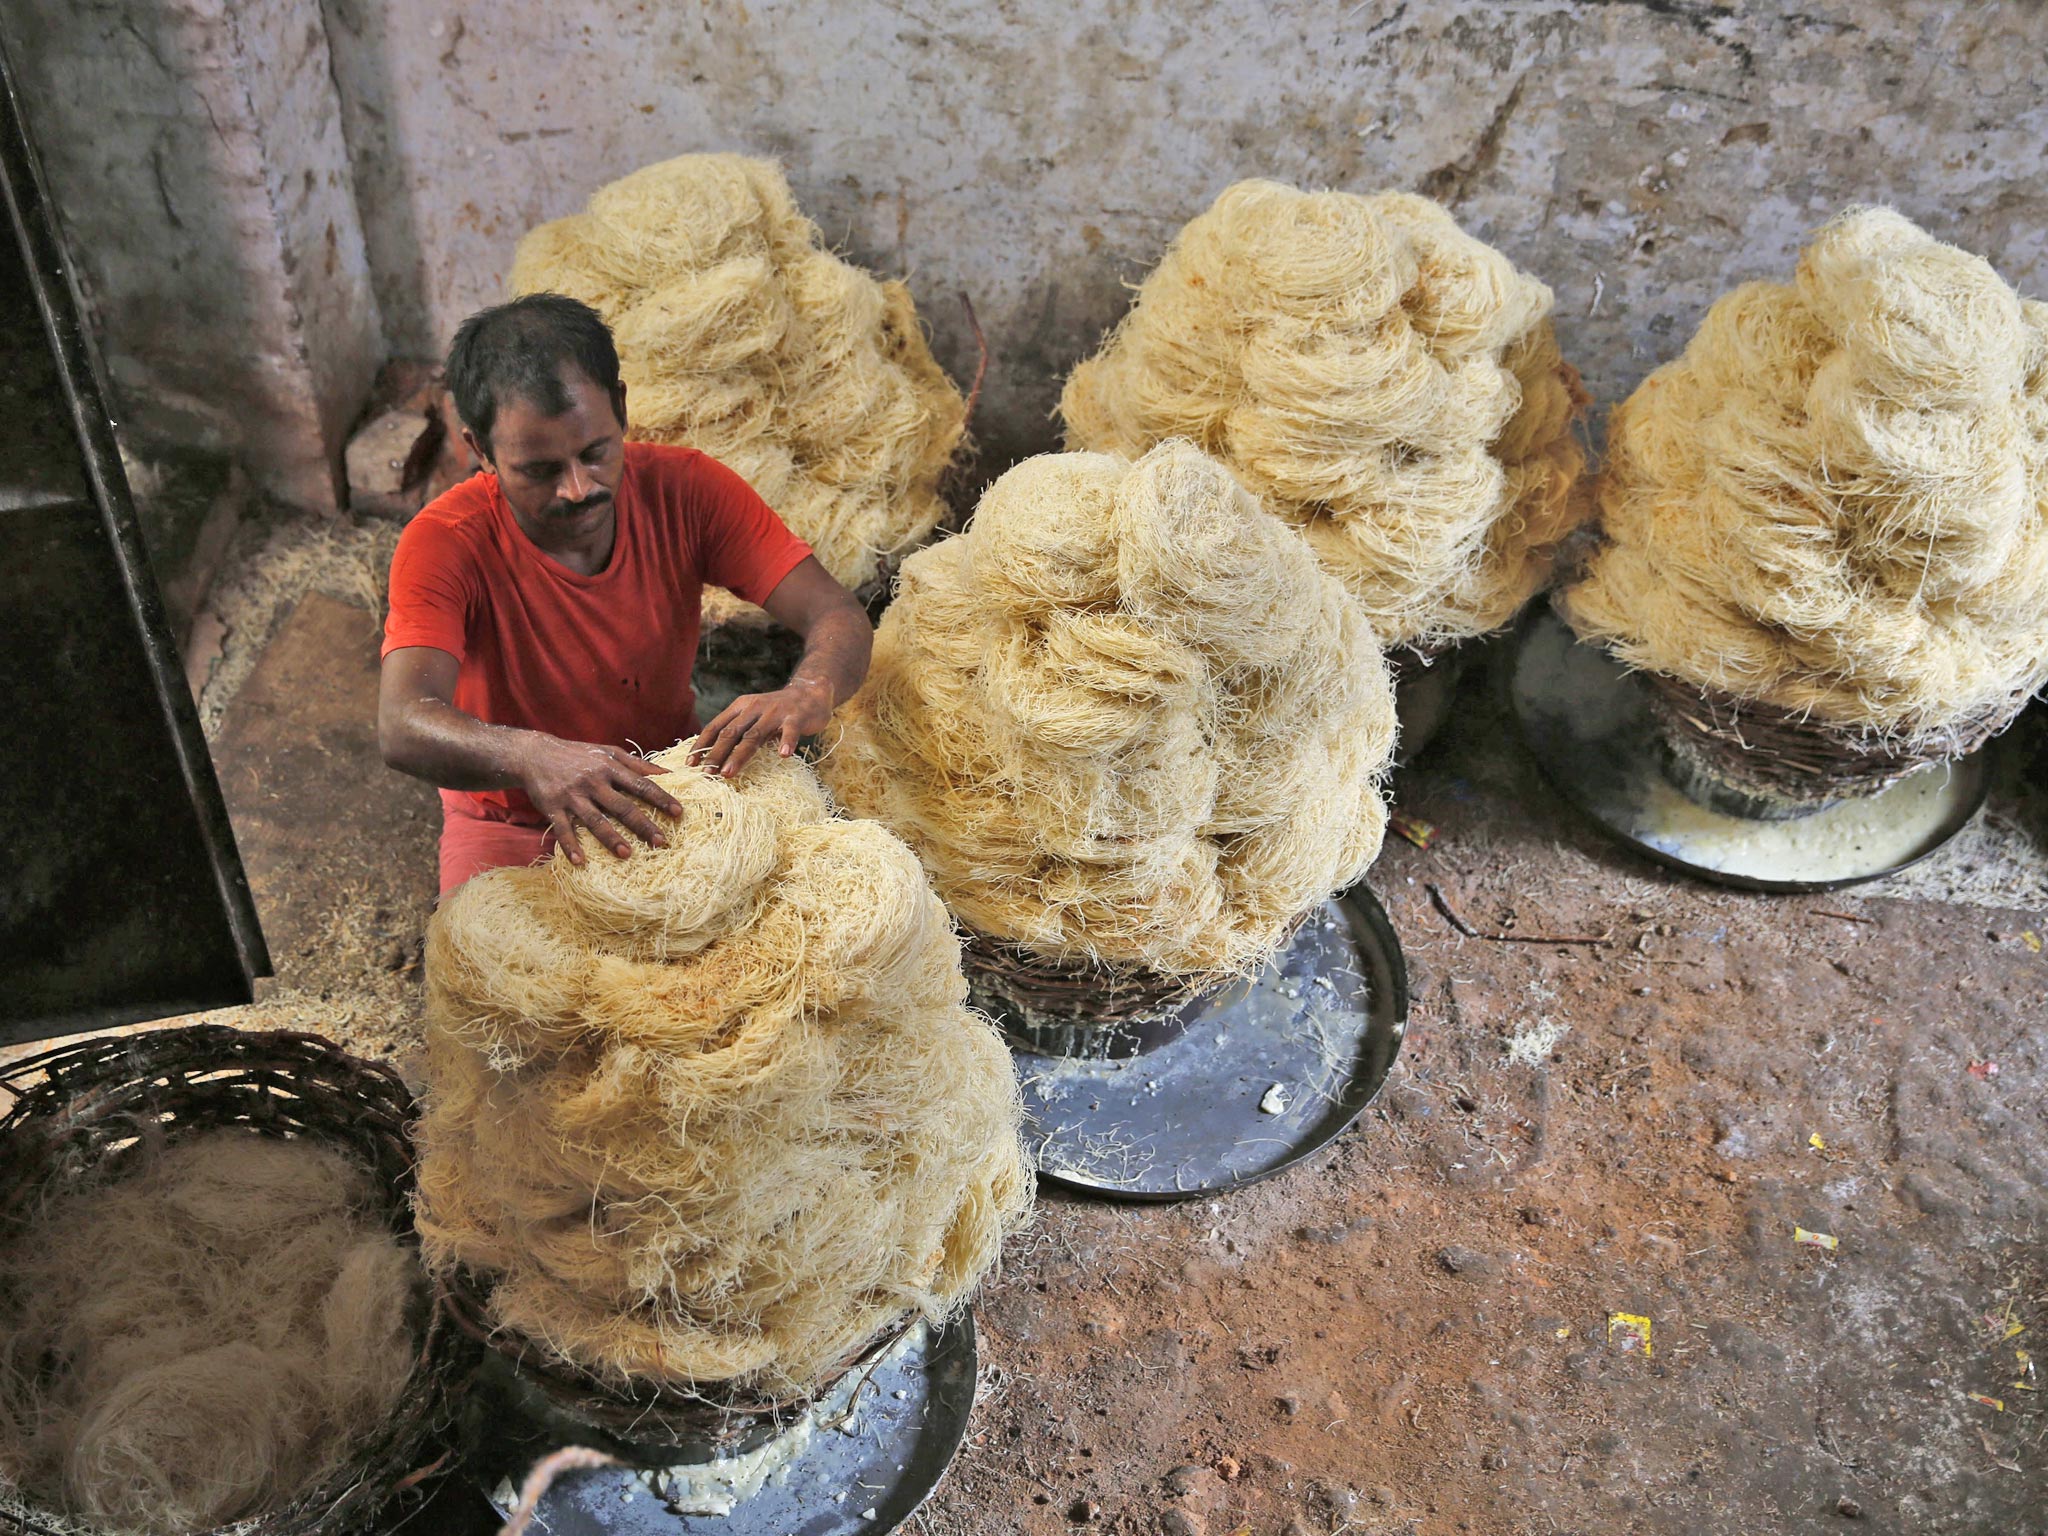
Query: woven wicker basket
<point>753,654</point>
<point>1082,1008</point>
<point>84,1105</point>
<point>648,1423</point>
<point>1767,764</point>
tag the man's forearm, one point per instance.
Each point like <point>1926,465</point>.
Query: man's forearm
<point>447,747</point>
<point>836,653</point>
<point>837,643</point>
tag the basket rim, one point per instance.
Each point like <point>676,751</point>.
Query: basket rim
<point>1080,991</point>
<point>1773,753</point>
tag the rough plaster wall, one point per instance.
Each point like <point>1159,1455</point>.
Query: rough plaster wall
<point>289,76</point>
<point>1639,155</point>
<point>195,155</point>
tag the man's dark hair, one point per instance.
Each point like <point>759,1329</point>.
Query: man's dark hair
<point>519,350</point>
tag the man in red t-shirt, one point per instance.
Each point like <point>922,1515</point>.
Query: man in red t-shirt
<point>544,613</point>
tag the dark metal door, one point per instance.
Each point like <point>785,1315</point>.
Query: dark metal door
<point>123,897</point>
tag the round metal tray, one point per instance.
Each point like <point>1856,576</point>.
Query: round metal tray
<point>1250,1081</point>
<point>866,1467</point>
<point>1588,723</point>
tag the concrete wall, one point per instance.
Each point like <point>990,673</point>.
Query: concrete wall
<point>195,154</point>
<point>265,195</point>
<point>1639,155</point>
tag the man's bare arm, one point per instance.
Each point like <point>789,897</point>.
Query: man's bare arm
<point>837,643</point>
<point>571,783</point>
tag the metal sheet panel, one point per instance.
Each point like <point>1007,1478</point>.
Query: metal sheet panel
<point>124,898</point>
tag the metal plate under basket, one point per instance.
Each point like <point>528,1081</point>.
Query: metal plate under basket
<point>1250,1081</point>
<point>864,1471</point>
<point>1589,724</point>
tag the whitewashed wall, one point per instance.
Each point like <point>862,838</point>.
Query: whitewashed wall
<point>1639,155</point>
<point>267,193</point>
<point>194,150</point>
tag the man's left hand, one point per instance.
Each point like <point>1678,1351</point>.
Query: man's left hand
<point>753,720</point>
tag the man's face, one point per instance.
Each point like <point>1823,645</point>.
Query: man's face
<point>559,473</point>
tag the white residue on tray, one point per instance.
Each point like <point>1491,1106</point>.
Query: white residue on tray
<point>719,1486</point>
<point>1845,840</point>
<point>1049,1070</point>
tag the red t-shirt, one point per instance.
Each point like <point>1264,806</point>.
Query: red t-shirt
<point>603,658</point>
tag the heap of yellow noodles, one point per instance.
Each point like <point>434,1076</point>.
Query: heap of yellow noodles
<point>1836,501</point>
<point>740,334</point>
<point>717,1112</point>
<point>1375,376</point>
<point>1125,717</point>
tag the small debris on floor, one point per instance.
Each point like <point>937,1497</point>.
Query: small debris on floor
<point>1420,833</point>
<point>1533,1045</point>
<point>1630,1332</point>
<point>2004,1325</point>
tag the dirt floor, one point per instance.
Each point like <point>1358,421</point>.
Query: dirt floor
<point>1411,1334</point>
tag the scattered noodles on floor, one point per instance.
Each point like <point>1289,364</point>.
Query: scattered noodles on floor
<point>1124,716</point>
<point>1534,1044</point>
<point>1374,375</point>
<point>1836,501</point>
<point>275,560</point>
<point>741,335</point>
<point>716,1113</point>
<point>200,1339</point>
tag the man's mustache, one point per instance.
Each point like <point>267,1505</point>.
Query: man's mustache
<point>569,509</point>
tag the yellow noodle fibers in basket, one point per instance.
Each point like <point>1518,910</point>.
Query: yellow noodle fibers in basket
<point>1373,375</point>
<point>716,1113</point>
<point>1835,502</point>
<point>232,1320</point>
<point>739,334</point>
<point>1124,717</point>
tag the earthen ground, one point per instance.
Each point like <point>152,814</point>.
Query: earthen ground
<point>1410,1334</point>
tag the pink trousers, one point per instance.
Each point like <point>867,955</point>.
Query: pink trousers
<point>470,845</point>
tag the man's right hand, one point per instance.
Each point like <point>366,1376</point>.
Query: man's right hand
<point>579,783</point>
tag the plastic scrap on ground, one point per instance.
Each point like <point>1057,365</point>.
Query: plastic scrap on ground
<point>1630,1332</point>
<point>2004,1325</point>
<point>1422,833</point>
